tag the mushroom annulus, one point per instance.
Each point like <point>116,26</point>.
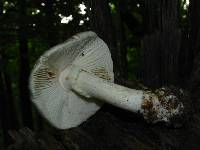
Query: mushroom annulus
<point>72,80</point>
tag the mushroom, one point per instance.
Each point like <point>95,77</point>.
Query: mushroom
<point>71,81</point>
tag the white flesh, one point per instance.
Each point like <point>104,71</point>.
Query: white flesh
<point>145,102</point>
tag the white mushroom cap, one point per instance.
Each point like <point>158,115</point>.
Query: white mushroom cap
<point>59,105</point>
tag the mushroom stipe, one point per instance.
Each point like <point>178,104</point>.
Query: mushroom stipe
<point>72,80</point>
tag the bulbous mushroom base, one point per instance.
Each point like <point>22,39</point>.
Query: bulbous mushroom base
<point>162,105</point>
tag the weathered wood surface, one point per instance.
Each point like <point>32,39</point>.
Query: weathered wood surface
<point>112,128</point>
<point>161,45</point>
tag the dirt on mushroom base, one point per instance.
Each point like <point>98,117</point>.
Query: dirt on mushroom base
<point>167,106</point>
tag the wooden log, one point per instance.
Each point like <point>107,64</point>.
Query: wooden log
<point>113,128</point>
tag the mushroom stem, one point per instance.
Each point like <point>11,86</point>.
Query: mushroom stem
<point>154,106</point>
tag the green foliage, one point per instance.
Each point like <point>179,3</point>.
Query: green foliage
<point>112,8</point>
<point>133,56</point>
<point>183,11</point>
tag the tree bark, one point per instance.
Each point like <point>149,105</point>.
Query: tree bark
<point>194,26</point>
<point>194,47</point>
<point>24,66</point>
<point>122,49</point>
<point>1,8</point>
<point>101,23</point>
<point>8,113</point>
<point>161,45</point>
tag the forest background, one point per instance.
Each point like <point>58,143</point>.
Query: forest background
<point>153,42</point>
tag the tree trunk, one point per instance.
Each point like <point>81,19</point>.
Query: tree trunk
<point>161,45</point>
<point>101,23</point>
<point>122,49</point>
<point>8,113</point>
<point>1,8</point>
<point>194,26</point>
<point>24,67</point>
<point>195,50</point>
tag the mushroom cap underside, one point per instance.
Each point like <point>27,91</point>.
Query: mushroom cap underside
<point>60,106</point>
